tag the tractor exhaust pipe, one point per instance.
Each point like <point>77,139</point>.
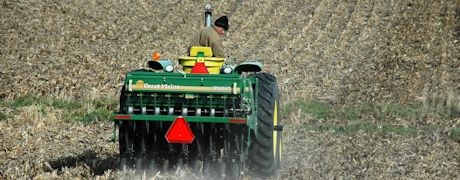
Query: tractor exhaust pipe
<point>207,15</point>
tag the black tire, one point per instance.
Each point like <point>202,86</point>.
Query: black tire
<point>125,134</point>
<point>264,156</point>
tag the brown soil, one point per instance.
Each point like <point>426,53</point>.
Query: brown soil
<point>339,52</point>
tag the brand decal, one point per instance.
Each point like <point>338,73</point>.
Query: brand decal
<point>160,86</point>
<point>141,85</point>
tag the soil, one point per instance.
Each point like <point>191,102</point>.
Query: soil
<point>337,52</point>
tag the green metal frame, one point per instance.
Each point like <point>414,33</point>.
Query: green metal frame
<point>214,88</point>
<point>204,119</point>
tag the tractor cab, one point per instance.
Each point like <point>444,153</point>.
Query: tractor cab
<point>200,61</point>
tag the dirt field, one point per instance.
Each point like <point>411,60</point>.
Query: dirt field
<point>336,52</point>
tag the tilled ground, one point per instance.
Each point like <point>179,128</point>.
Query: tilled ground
<point>335,51</point>
<point>41,146</point>
<point>357,50</point>
<point>364,155</point>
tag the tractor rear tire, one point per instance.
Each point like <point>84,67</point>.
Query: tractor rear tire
<point>264,156</point>
<point>125,135</point>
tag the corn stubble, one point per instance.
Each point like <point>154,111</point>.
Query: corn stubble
<point>339,52</point>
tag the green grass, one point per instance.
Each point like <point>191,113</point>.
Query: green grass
<point>366,127</point>
<point>383,118</point>
<point>455,133</point>
<point>316,109</point>
<point>389,111</point>
<point>95,115</point>
<point>65,104</point>
<point>3,116</point>
<point>105,103</point>
<point>27,100</point>
<point>378,111</point>
<point>85,111</point>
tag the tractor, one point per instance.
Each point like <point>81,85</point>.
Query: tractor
<point>216,119</point>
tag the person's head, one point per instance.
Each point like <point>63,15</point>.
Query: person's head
<point>221,25</point>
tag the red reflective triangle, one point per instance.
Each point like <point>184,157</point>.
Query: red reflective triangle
<point>199,68</point>
<point>180,132</point>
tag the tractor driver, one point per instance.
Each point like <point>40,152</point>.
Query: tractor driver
<point>209,37</point>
